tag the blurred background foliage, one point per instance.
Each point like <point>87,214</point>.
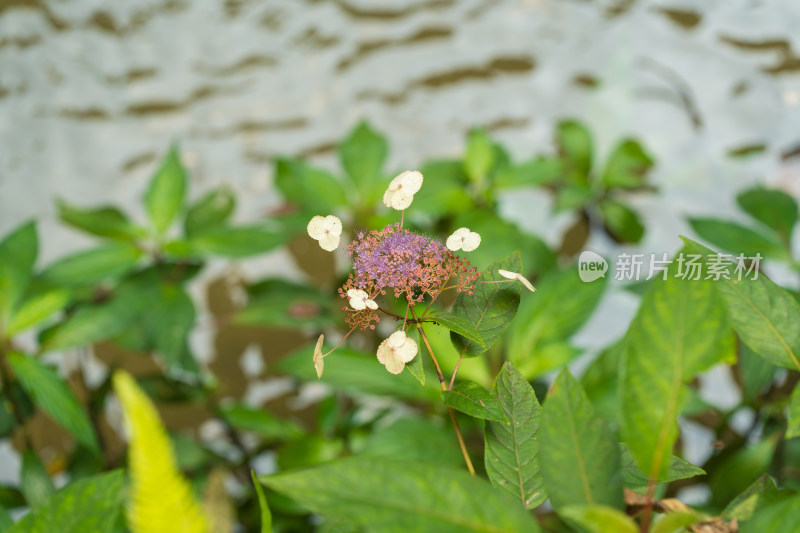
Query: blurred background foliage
<point>126,301</point>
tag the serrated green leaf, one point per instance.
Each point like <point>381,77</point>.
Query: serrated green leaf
<point>36,307</point>
<point>762,313</point>
<point>166,192</point>
<point>761,492</point>
<point>472,399</point>
<point>259,421</point>
<point>51,394</point>
<point>679,331</point>
<point>313,189</point>
<point>362,155</point>
<point>35,482</point>
<point>772,207</point>
<point>18,251</point>
<point>240,241</point>
<point>89,267</point>
<point>490,309</point>
<point>738,239</point>
<point>89,505</point>
<point>621,222</point>
<point>210,211</point>
<point>561,305</point>
<point>456,323</point>
<point>479,157</point>
<point>579,458</point>
<point>101,221</point>
<point>598,519</point>
<point>394,496</point>
<point>575,145</point>
<point>635,479</point>
<point>783,515</point>
<point>627,166</point>
<point>512,450</point>
<point>263,506</point>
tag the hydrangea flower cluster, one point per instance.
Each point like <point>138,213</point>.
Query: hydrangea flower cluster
<point>411,266</point>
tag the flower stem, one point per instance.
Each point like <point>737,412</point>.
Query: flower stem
<point>439,374</point>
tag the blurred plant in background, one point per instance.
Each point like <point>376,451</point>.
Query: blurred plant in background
<point>375,453</point>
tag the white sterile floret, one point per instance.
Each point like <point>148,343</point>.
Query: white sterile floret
<point>319,360</point>
<point>326,230</point>
<point>463,239</point>
<point>518,277</point>
<point>402,189</point>
<point>359,300</point>
<point>396,351</point>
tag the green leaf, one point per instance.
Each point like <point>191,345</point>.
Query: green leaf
<point>736,471</point>
<point>579,458</point>
<point>738,239</point>
<point>36,307</point>
<point>102,221</point>
<point>93,266</point>
<point>261,422</point>
<point>574,196</point>
<point>394,496</point>
<point>311,188</point>
<point>444,190</point>
<point>415,439</point>
<point>89,325</point>
<point>637,480</point>
<point>793,428</point>
<point>512,449</point>
<point>598,519</point>
<point>165,194</point>
<point>621,222</point>
<point>89,505</point>
<point>560,307</point>
<point>169,324</point>
<point>479,156</point>
<point>490,309</point>
<point>362,155</point>
<point>35,482</point>
<point>266,515</point>
<point>600,381</point>
<point>761,492</point>
<point>210,211</point>
<point>456,323</point>
<point>540,170</point>
<point>5,520</point>
<point>774,208</point>
<point>575,144</point>
<point>627,166</point>
<point>241,241</point>
<point>18,251</point>
<point>356,373</point>
<point>679,331</point>
<point>472,399</point>
<point>763,314</point>
<point>755,373</point>
<point>49,392</point>
<point>676,522</point>
<point>783,515</point>
<point>277,302</point>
